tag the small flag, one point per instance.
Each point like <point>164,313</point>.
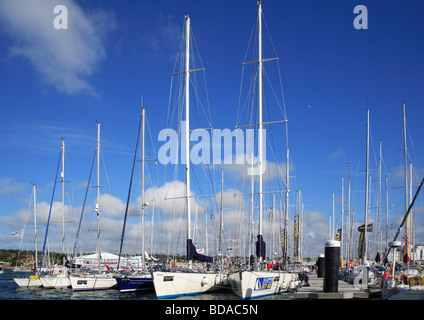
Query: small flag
<point>18,234</point>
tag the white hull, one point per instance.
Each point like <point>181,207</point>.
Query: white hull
<point>32,281</point>
<point>92,282</point>
<point>56,281</point>
<point>402,291</point>
<point>175,284</point>
<point>254,284</point>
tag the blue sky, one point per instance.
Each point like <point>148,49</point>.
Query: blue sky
<point>58,83</point>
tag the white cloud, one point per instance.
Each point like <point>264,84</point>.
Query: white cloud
<point>64,58</point>
<point>240,165</point>
<point>336,155</point>
<point>10,185</point>
<point>167,196</point>
<point>112,206</point>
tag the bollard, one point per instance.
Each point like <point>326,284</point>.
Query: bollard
<point>332,263</point>
<point>321,266</point>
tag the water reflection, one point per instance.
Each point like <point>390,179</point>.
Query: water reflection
<point>9,290</point>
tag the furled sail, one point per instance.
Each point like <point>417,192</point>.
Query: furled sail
<point>192,253</point>
<point>260,247</point>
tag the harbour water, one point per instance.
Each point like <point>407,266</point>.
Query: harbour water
<point>9,290</point>
<point>102,303</point>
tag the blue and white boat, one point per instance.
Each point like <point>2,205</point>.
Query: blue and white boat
<point>248,284</point>
<point>136,281</point>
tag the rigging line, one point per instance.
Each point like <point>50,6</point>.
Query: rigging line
<point>198,186</point>
<point>241,205</point>
<point>273,91</point>
<point>272,138</point>
<point>195,100</point>
<point>207,172</point>
<point>277,168</point>
<point>204,77</point>
<point>242,72</point>
<point>23,231</point>
<point>256,71</point>
<point>278,65</point>
<point>129,194</point>
<point>282,91</point>
<point>104,168</point>
<point>73,201</point>
<point>169,100</point>
<point>177,101</point>
<point>373,148</point>
<point>193,82</point>
<point>154,154</point>
<point>50,210</point>
<point>175,65</point>
<point>240,91</point>
<point>249,98</point>
<point>199,103</point>
<point>412,147</point>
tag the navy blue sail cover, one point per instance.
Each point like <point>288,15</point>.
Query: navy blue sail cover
<point>260,247</point>
<point>192,253</point>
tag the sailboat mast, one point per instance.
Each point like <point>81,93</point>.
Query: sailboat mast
<point>349,228</point>
<point>411,219</point>
<point>35,226</point>
<point>364,254</point>
<point>286,209</point>
<point>342,247</point>
<point>332,233</point>
<point>62,175</point>
<point>260,143</point>
<point>387,212</point>
<point>405,154</point>
<point>379,201</point>
<point>97,210</point>
<point>187,128</point>
<point>143,203</point>
<point>252,211</point>
<point>221,234</point>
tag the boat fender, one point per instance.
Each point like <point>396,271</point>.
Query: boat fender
<point>417,280</point>
<point>403,277</point>
<point>205,281</point>
<point>283,286</point>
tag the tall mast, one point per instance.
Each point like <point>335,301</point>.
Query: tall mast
<point>142,190</point>
<point>273,226</point>
<point>405,154</point>
<point>35,226</point>
<point>153,220</point>
<point>260,143</point>
<point>333,234</point>
<point>387,212</point>
<point>342,247</point>
<point>349,218</point>
<point>252,211</point>
<point>379,201</point>
<point>62,175</point>
<point>411,219</point>
<point>364,254</point>
<point>187,128</point>
<point>97,209</point>
<point>296,229</point>
<point>221,218</point>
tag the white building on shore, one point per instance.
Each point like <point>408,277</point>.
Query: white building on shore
<point>110,260</point>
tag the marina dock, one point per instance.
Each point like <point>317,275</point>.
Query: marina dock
<point>316,290</point>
